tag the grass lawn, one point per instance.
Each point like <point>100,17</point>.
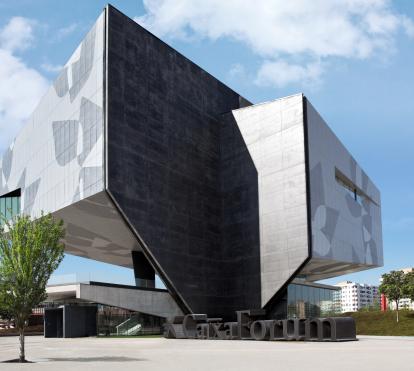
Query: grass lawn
<point>384,323</point>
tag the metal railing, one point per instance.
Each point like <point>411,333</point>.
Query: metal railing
<point>114,321</point>
<point>131,326</point>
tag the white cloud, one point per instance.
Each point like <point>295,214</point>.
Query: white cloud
<point>64,32</point>
<point>51,68</point>
<point>237,70</point>
<point>280,73</point>
<point>408,25</point>
<point>21,87</point>
<point>17,34</point>
<point>276,30</point>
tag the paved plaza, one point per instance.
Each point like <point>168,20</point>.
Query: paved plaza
<point>369,353</point>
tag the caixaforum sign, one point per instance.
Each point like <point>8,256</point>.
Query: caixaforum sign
<point>250,325</point>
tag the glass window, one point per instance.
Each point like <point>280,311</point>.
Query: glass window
<point>291,294</point>
<point>14,207</point>
<point>2,207</point>
<point>307,301</point>
<point>8,208</point>
<point>312,301</point>
<point>328,294</point>
<point>300,303</point>
<point>318,300</point>
<point>9,205</point>
<point>291,301</point>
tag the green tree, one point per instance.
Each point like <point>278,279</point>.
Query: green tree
<point>4,314</point>
<point>30,250</point>
<point>393,286</point>
<point>409,285</point>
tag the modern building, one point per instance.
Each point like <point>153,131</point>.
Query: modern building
<point>155,165</point>
<point>354,296</point>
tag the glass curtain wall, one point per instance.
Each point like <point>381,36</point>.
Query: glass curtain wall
<point>9,206</point>
<point>121,322</point>
<point>308,301</point>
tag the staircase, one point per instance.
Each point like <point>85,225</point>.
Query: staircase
<point>131,326</point>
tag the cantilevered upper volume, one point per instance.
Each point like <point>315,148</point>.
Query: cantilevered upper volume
<point>154,164</point>
<point>319,212</point>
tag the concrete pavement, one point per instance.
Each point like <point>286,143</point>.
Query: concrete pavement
<point>369,353</point>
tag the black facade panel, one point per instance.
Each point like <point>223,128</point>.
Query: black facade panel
<point>165,171</point>
<point>53,322</point>
<point>79,321</point>
<point>240,216</point>
<point>70,321</point>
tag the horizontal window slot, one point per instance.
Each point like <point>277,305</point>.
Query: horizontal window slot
<point>357,193</point>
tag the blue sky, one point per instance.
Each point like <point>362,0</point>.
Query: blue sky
<point>353,59</point>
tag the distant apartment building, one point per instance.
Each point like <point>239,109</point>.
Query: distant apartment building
<point>405,303</point>
<point>354,296</point>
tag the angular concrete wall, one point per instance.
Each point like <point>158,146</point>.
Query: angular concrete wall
<point>274,135</point>
<point>96,230</point>
<point>155,302</point>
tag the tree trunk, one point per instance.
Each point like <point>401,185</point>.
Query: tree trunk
<point>397,310</point>
<point>21,338</point>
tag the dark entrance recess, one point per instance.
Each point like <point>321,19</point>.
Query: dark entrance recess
<point>143,271</point>
<point>70,321</point>
<point>53,322</point>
